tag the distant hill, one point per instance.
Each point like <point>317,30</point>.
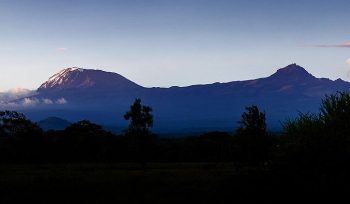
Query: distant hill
<point>53,123</point>
<point>103,97</point>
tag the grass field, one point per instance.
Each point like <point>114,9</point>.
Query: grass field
<point>105,183</point>
<point>147,183</point>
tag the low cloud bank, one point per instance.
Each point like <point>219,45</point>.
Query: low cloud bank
<point>14,94</point>
<point>22,98</point>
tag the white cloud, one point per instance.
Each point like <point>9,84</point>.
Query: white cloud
<point>342,45</point>
<point>62,49</point>
<point>30,101</point>
<point>47,101</point>
<point>348,61</point>
<point>61,101</point>
<point>5,105</point>
<point>20,91</point>
<point>16,93</point>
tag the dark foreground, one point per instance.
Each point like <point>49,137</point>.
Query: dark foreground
<point>157,183</point>
<point>308,161</point>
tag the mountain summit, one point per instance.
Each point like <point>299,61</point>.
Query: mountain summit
<point>292,72</point>
<point>79,78</point>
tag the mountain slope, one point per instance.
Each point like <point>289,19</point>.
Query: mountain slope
<point>53,123</point>
<point>104,97</point>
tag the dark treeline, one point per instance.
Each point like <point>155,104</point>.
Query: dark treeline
<point>319,140</point>
<point>310,155</point>
<point>24,142</point>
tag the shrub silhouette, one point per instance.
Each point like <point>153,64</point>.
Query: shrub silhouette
<point>335,115</point>
<point>316,146</point>
<point>326,133</point>
<point>303,139</point>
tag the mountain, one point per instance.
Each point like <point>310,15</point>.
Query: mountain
<point>53,123</point>
<point>104,97</point>
<point>292,73</point>
<point>80,79</point>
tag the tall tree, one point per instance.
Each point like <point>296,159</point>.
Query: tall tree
<point>252,120</point>
<point>251,139</point>
<point>140,118</point>
<point>140,141</point>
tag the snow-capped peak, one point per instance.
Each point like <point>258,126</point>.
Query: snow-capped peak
<point>77,69</point>
<point>61,77</point>
<point>79,78</point>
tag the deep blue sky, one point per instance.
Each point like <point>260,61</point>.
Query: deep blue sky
<point>172,42</point>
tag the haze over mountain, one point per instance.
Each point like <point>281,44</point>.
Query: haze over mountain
<point>103,97</point>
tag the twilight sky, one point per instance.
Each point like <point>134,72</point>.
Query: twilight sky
<point>172,42</point>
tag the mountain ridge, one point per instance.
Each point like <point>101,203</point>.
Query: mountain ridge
<point>288,71</point>
<point>215,106</point>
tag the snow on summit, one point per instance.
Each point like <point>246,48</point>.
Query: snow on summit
<point>57,78</point>
<point>62,77</point>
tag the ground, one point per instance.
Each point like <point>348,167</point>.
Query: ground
<point>137,183</point>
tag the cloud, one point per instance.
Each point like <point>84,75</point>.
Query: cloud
<point>30,101</point>
<point>61,101</point>
<point>344,45</point>
<point>8,105</point>
<point>20,98</point>
<point>347,61</point>
<point>15,93</point>
<point>19,91</point>
<point>61,49</point>
<point>47,101</point>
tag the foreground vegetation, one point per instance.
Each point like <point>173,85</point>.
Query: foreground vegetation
<point>84,163</point>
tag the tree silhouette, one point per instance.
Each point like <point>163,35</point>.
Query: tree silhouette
<point>140,118</point>
<point>85,140</point>
<point>252,120</point>
<point>139,140</point>
<point>84,127</point>
<point>14,124</point>
<point>21,138</point>
<point>251,139</point>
